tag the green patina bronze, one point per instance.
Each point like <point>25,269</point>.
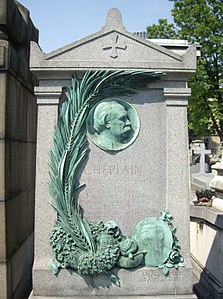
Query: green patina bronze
<point>93,248</point>
<point>156,238</point>
<point>153,237</point>
<point>113,124</point>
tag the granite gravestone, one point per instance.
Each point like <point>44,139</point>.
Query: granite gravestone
<point>129,176</point>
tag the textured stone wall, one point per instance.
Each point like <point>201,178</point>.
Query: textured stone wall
<point>17,150</point>
<point>150,175</point>
<point>206,231</point>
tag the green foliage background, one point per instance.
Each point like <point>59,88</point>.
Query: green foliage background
<point>200,22</point>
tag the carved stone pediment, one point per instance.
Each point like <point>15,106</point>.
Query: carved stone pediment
<point>115,48</point>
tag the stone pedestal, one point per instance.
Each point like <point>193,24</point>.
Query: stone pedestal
<point>143,180</point>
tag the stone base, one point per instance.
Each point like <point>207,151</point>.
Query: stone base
<point>207,286</point>
<point>201,181</point>
<point>189,296</point>
<point>149,282</point>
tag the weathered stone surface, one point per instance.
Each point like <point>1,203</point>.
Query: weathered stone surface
<point>144,281</point>
<point>15,275</point>
<point>19,221</point>
<point>2,169</point>
<point>16,121</point>
<point>2,56</point>
<point>2,232</point>
<point>25,287</point>
<point>140,181</point>
<point>136,182</point>
<point>217,203</point>
<point>2,104</point>
<point>213,216</point>
<point>15,21</point>
<point>21,111</point>
<point>189,296</point>
<point>17,150</point>
<point>113,48</point>
<point>206,248</point>
<point>21,263</point>
<point>16,177</point>
<point>5,280</point>
<point>45,213</point>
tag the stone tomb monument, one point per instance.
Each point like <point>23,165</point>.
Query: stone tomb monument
<point>121,129</point>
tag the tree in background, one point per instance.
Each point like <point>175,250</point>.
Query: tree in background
<point>201,22</point>
<point>162,30</point>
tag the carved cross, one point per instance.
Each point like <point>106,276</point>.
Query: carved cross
<point>114,46</point>
<point>202,152</point>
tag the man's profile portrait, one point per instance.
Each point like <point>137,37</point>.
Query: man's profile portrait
<point>111,126</point>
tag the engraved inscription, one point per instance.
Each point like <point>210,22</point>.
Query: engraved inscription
<point>113,170</point>
<point>151,276</point>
